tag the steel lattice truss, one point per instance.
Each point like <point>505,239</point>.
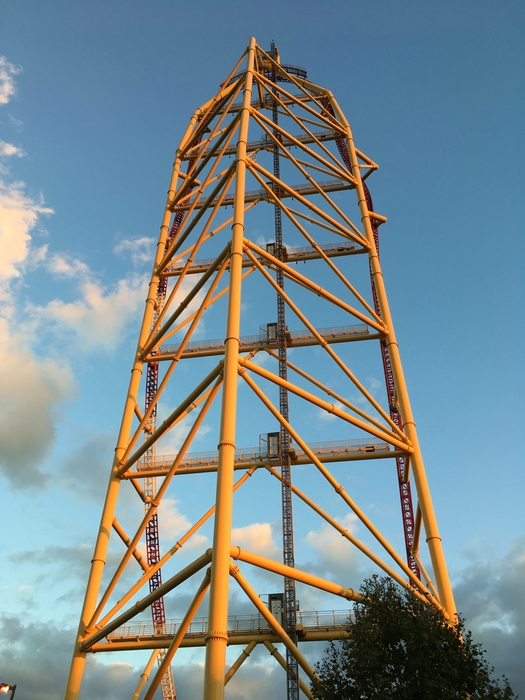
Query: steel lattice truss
<point>270,152</point>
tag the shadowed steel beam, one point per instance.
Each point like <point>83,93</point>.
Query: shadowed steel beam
<point>301,576</point>
<point>141,605</point>
<point>144,676</point>
<point>282,662</point>
<point>175,644</point>
<point>272,621</point>
<point>197,641</point>
<point>245,653</point>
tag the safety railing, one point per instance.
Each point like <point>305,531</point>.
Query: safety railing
<point>289,255</point>
<point>332,332</point>
<point>240,624</point>
<point>333,448</point>
<point>260,194</point>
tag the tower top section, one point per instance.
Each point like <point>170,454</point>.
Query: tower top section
<point>273,68</point>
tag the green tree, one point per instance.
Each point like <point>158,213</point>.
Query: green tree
<point>402,649</point>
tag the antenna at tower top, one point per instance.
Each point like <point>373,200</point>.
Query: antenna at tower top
<point>274,51</point>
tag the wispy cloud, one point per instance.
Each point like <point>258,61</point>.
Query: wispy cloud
<point>99,318</point>
<point>7,79</point>
<point>328,417</point>
<point>60,265</point>
<point>140,250</point>
<point>334,555</point>
<point>7,150</point>
<point>19,214</point>
<point>174,523</point>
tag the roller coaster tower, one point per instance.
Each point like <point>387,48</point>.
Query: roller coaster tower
<point>269,240</point>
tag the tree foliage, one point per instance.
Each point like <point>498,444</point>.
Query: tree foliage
<point>401,648</point>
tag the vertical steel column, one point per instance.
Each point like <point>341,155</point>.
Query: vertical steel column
<point>425,501</point>
<point>284,451</point>
<point>217,637</point>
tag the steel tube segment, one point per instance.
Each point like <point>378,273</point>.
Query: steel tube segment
<point>175,644</point>
<point>296,574</point>
<point>433,538</point>
<point>347,535</point>
<point>282,662</point>
<point>272,622</point>
<point>144,603</point>
<point>144,676</point>
<point>245,653</point>
<point>233,640</point>
<point>217,638</point>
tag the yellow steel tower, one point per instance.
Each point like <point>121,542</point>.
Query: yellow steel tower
<point>267,200</point>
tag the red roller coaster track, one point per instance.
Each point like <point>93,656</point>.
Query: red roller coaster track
<point>405,494</point>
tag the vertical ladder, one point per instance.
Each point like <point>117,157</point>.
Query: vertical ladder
<point>158,612</point>
<point>290,605</point>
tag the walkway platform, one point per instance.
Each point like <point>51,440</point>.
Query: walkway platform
<point>290,255</point>
<point>258,457</point>
<point>305,189</point>
<point>311,626</point>
<point>267,143</point>
<point>249,343</point>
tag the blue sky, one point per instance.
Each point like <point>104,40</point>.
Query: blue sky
<point>94,98</point>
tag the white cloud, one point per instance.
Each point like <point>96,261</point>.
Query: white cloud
<point>31,388</point>
<point>173,524</point>
<point>30,391</point>
<point>8,149</point>
<point>334,555</point>
<point>19,214</point>
<point>171,442</point>
<point>7,83</point>
<point>99,319</point>
<point>257,538</point>
<point>140,250</point>
<point>374,384</point>
<point>61,265</point>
